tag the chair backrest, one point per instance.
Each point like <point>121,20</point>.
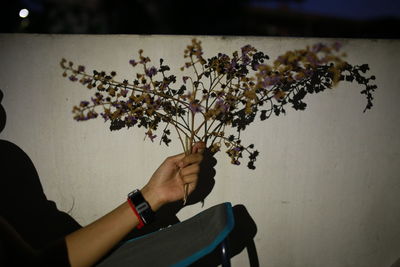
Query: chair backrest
<point>178,245</point>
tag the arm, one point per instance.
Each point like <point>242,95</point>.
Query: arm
<point>89,244</point>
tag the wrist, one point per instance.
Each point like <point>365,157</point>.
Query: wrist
<point>153,198</point>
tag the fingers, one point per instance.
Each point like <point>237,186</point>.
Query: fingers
<point>181,160</point>
<point>189,170</point>
<point>191,181</point>
<point>190,159</point>
<point>176,159</point>
<point>198,147</point>
<point>192,187</point>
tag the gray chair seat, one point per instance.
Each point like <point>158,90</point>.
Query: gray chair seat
<point>178,245</point>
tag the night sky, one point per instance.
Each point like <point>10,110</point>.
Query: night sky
<point>353,9</point>
<point>338,18</point>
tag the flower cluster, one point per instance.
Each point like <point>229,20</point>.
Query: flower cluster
<point>220,99</point>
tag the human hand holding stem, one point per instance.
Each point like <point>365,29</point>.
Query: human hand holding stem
<point>188,151</point>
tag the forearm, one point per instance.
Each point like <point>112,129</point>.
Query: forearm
<point>89,244</point>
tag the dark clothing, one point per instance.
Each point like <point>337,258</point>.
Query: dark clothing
<point>30,224</point>
<point>14,251</point>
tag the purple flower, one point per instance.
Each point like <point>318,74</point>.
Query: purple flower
<point>246,59</point>
<point>151,72</point>
<point>95,100</point>
<point>73,78</point>
<point>116,105</point>
<point>313,60</point>
<point>337,46</point>
<point>220,104</point>
<point>133,62</point>
<point>233,63</point>
<point>235,162</point>
<point>246,49</point>
<point>91,115</point>
<point>84,103</point>
<point>86,80</point>
<point>268,81</point>
<point>318,47</point>
<point>151,135</point>
<point>237,149</point>
<point>79,117</point>
<point>130,120</point>
<point>124,92</point>
<point>146,87</point>
<point>105,116</point>
<point>194,107</point>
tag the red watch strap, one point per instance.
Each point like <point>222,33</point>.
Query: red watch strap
<point>141,223</point>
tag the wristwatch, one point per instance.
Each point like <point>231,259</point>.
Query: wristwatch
<point>141,206</point>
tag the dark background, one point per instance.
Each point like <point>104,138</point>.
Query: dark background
<point>301,18</point>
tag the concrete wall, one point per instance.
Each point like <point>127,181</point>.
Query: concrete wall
<point>326,191</point>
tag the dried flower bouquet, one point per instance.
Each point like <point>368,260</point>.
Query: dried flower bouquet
<point>220,96</point>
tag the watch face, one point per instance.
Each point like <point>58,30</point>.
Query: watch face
<point>134,192</point>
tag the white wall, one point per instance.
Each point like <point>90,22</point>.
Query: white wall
<point>326,191</point>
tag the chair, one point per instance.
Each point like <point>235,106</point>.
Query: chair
<point>181,244</point>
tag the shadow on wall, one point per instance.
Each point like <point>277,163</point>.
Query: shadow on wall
<point>396,263</point>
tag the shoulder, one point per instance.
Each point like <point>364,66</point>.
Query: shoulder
<point>7,146</point>
<point>10,152</point>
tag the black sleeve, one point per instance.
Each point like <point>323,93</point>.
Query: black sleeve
<point>14,251</point>
<point>24,205</point>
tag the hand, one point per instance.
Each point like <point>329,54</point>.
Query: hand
<point>168,181</point>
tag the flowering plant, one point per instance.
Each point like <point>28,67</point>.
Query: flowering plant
<point>220,93</point>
